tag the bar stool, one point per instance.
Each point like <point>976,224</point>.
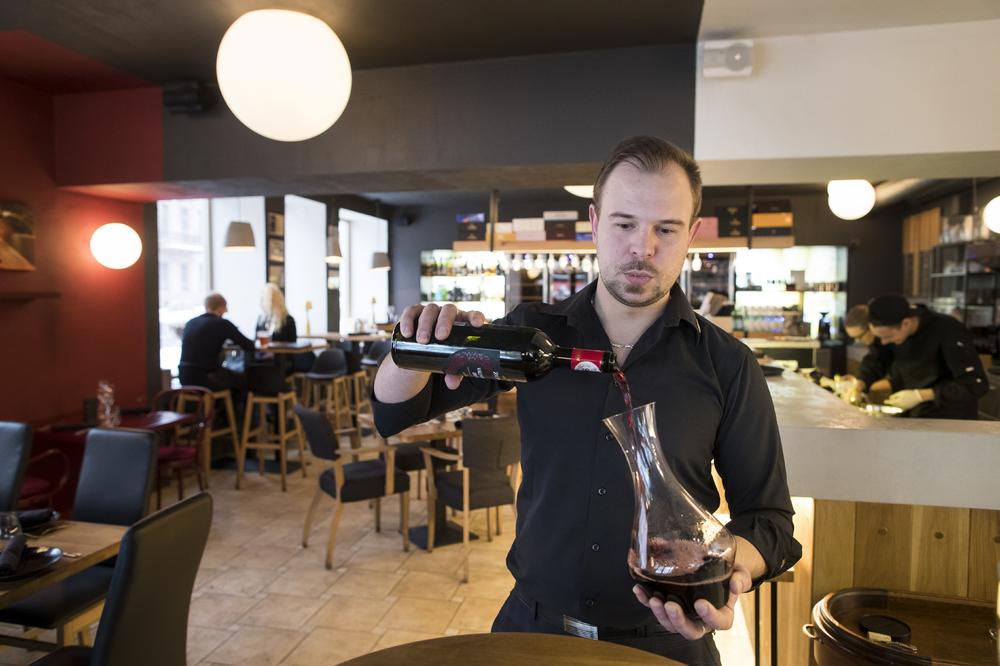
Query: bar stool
<point>226,396</point>
<point>267,387</point>
<point>321,383</point>
<point>339,408</point>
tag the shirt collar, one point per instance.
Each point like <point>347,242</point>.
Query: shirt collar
<point>678,308</point>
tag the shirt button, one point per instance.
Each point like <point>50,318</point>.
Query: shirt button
<point>608,436</point>
<point>590,603</point>
<point>602,491</point>
<point>595,547</point>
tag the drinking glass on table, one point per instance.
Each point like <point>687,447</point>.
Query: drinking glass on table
<point>264,338</point>
<point>10,526</point>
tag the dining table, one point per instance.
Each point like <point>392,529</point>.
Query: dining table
<point>82,544</point>
<point>157,420</point>
<point>501,649</point>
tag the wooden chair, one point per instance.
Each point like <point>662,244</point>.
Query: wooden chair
<point>486,478</point>
<point>352,481</point>
<point>189,449</point>
<point>268,388</point>
<point>38,492</point>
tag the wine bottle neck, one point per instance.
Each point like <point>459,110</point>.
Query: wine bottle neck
<point>593,360</point>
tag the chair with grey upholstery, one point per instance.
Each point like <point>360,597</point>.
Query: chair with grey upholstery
<point>352,481</point>
<point>116,479</point>
<point>15,448</point>
<point>145,619</point>
<point>490,460</point>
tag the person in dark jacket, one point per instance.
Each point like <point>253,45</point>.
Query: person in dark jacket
<point>875,365</point>
<point>279,326</point>
<point>935,371</point>
<point>201,349</point>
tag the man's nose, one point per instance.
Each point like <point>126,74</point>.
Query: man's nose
<point>644,244</point>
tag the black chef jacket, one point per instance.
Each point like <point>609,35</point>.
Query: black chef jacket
<point>876,363</point>
<point>940,355</point>
<point>575,504</point>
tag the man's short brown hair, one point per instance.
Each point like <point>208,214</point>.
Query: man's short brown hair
<point>214,301</point>
<point>650,154</point>
<point>857,317</point>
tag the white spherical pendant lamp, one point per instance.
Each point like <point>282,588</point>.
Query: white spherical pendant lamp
<point>116,245</point>
<point>284,74</point>
<point>991,215</point>
<point>850,199</point>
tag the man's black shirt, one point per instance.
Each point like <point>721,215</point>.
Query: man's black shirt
<point>203,338</point>
<point>575,504</point>
<point>940,355</point>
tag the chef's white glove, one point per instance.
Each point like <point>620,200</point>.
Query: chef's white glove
<point>905,400</point>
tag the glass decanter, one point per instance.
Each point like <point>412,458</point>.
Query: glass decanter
<point>679,551</point>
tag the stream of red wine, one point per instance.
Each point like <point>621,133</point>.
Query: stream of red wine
<point>622,383</point>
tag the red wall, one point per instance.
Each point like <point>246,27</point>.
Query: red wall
<point>55,350</point>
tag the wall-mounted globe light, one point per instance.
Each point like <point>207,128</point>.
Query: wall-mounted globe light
<point>991,215</point>
<point>850,199</point>
<point>116,245</point>
<point>284,74</point>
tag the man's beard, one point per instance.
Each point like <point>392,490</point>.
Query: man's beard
<point>619,289</point>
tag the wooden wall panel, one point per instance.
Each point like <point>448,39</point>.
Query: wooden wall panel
<point>984,554</point>
<point>940,554</point>
<point>882,545</point>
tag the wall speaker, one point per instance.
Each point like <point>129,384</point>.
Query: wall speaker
<point>725,58</point>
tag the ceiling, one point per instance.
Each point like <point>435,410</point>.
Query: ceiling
<point>162,41</point>
<point>724,19</point>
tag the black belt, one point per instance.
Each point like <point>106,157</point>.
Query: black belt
<point>576,627</point>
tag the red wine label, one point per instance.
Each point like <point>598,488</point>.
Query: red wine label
<point>586,359</point>
<point>481,363</point>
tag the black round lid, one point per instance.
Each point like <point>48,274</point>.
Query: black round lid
<point>883,624</point>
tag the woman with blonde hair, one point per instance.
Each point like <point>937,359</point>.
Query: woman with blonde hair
<point>274,319</point>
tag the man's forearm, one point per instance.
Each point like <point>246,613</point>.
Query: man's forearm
<point>394,384</point>
<point>750,558</point>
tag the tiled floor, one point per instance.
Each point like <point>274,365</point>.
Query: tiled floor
<point>262,600</point>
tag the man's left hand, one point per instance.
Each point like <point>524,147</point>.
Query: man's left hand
<point>672,616</point>
<point>907,399</point>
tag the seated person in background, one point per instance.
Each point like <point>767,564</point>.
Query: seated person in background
<point>935,371</point>
<point>274,320</point>
<point>874,366</point>
<point>276,323</point>
<point>201,348</point>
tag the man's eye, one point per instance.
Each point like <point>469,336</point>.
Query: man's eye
<point>624,225</point>
<point>667,231</point>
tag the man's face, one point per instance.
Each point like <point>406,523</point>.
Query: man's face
<point>643,232</point>
<point>896,335</point>
<point>862,334</point>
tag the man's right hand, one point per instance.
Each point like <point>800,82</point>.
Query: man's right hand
<point>392,383</point>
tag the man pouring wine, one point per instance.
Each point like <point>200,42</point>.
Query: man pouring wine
<point>574,518</point>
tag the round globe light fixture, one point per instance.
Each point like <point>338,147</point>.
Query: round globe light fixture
<point>991,215</point>
<point>850,199</point>
<point>284,74</point>
<point>585,191</point>
<point>116,245</point>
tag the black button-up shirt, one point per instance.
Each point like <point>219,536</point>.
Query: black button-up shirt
<point>576,501</point>
<point>940,355</point>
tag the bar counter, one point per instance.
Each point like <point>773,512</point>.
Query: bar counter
<point>836,451</point>
<point>881,501</point>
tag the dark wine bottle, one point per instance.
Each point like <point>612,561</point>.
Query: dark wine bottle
<point>510,353</point>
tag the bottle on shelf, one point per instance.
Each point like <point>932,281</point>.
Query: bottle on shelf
<point>510,353</point>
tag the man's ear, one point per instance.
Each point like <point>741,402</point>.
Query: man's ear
<point>695,226</point>
<point>592,211</point>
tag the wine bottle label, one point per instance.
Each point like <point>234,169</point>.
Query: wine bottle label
<point>586,359</point>
<point>481,363</point>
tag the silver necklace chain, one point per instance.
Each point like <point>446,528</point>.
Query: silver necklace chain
<point>613,344</point>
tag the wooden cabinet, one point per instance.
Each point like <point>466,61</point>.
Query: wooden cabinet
<point>921,232</point>
<point>924,549</point>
